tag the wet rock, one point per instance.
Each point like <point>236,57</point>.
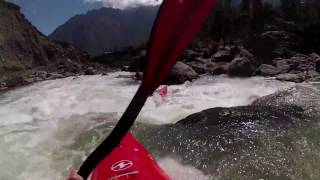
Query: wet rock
<point>315,57</point>
<point>268,70</point>
<point>306,97</point>
<point>242,67</point>
<point>218,68</point>
<point>223,56</point>
<point>312,74</point>
<point>318,66</point>
<point>291,77</point>
<point>181,73</point>
<point>198,67</point>
<point>40,75</point>
<point>3,85</point>
<point>282,65</point>
<point>15,81</point>
<point>283,52</point>
<point>236,116</point>
<point>302,62</point>
<point>90,71</point>
<point>55,76</point>
<point>190,55</point>
<point>206,53</point>
<point>203,60</point>
<point>314,79</point>
<point>68,74</point>
<point>245,53</point>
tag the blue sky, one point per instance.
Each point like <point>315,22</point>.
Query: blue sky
<point>47,15</point>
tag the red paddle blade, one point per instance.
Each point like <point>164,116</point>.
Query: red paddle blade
<point>177,23</point>
<point>129,161</point>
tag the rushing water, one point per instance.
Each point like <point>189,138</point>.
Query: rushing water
<point>49,127</point>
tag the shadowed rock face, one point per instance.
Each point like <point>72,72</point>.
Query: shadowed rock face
<point>268,140</point>
<point>24,51</point>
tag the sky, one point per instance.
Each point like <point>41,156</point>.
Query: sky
<point>47,15</point>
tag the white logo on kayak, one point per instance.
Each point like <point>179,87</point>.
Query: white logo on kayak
<point>121,165</point>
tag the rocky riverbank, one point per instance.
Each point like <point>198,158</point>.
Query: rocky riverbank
<point>28,56</point>
<point>282,51</point>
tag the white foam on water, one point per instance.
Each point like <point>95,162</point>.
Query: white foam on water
<point>177,171</point>
<point>40,125</point>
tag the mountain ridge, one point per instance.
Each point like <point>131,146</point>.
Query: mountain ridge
<point>124,28</point>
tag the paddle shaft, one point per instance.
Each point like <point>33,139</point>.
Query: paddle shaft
<point>177,23</point>
<point>115,137</point>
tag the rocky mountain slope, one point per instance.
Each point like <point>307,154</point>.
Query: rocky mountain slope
<point>27,56</point>
<point>107,29</point>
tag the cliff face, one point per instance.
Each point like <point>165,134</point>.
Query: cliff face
<point>24,51</point>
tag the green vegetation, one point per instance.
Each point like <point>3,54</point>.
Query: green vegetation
<point>232,23</point>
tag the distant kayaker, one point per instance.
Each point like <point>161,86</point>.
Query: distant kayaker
<point>160,96</point>
<point>137,76</point>
<point>74,175</point>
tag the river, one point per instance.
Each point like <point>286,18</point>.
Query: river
<point>48,127</point>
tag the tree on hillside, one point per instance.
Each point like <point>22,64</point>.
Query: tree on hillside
<point>222,21</point>
<point>256,14</point>
<point>290,8</point>
<point>245,5</point>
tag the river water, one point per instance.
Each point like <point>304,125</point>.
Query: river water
<point>48,127</point>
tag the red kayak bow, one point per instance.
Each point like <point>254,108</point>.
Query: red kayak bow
<point>129,161</point>
<point>177,23</point>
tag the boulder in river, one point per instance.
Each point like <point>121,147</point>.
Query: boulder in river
<point>291,77</point>
<point>306,97</point>
<point>237,116</point>
<point>181,73</point>
<point>282,65</point>
<point>242,67</point>
<point>198,67</point>
<point>223,56</point>
<point>268,70</point>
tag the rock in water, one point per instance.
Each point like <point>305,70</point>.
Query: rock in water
<point>237,116</point>
<point>268,70</point>
<point>291,77</point>
<point>306,97</point>
<point>223,56</point>
<point>181,73</point>
<point>241,66</point>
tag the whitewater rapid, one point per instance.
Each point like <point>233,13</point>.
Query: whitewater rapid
<point>48,127</point>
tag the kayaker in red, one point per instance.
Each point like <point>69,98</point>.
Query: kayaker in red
<point>137,76</point>
<point>74,175</point>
